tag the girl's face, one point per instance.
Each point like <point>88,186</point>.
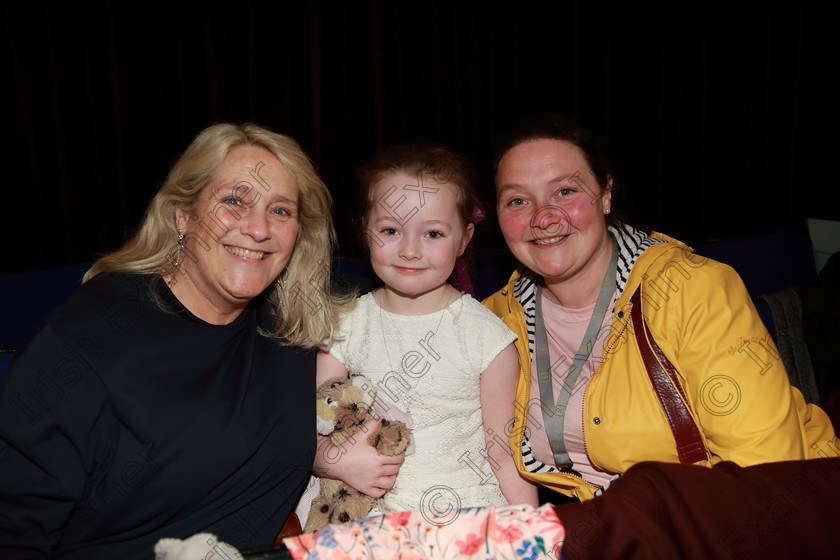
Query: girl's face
<point>415,234</point>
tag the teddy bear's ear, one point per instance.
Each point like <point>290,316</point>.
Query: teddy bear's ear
<point>325,427</point>
<point>364,385</point>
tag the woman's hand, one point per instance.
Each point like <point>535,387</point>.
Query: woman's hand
<point>357,463</point>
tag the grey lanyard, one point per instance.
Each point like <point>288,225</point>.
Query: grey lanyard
<point>554,415</point>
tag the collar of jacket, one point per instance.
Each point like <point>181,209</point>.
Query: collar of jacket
<point>631,243</point>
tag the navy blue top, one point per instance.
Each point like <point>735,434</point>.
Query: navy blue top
<point>127,419</point>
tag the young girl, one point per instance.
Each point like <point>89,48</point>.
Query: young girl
<point>438,359</point>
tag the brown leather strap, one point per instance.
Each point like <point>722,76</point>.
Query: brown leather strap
<point>663,376</point>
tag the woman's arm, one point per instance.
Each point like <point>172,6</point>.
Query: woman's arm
<point>733,372</point>
<point>498,393</point>
<point>356,462</point>
<point>52,424</point>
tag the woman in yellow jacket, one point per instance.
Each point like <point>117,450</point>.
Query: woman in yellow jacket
<point>586,409</point>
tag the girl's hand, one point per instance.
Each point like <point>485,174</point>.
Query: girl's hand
<point>357,463</point>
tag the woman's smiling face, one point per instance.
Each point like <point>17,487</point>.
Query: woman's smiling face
<point>551,209</point>
<point>240,235</point>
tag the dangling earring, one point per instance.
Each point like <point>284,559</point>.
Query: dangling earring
<point>181,245</point>
<point>280,284</point>
<point>177,263</point>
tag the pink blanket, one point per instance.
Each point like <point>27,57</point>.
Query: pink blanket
<point>475,533</point>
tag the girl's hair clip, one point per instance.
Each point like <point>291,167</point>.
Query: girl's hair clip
<point>478,212</point>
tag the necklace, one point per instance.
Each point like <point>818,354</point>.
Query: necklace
<point>425,340</point>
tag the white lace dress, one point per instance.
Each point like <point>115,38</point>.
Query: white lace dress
<point>428,367</point>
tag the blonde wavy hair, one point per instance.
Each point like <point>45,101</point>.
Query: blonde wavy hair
<point>304,307</point>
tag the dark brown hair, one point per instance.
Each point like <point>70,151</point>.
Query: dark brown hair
<point>559,127</point>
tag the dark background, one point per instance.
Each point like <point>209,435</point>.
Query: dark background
<point>720,120</point>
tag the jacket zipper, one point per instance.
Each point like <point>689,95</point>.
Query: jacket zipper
<point>525,419</point>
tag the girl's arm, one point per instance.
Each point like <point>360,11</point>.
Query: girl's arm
<point>498,393</point>
<point>328,367</point>
<point>358,465</point>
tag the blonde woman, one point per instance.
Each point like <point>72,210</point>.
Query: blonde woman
<point>173,393</point>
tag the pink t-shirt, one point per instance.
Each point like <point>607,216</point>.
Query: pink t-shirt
<point>565,328</point>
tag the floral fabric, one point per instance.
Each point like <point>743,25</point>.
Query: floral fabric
<point>475,533</point>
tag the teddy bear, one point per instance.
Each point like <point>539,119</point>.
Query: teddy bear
<point>343,408</point>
